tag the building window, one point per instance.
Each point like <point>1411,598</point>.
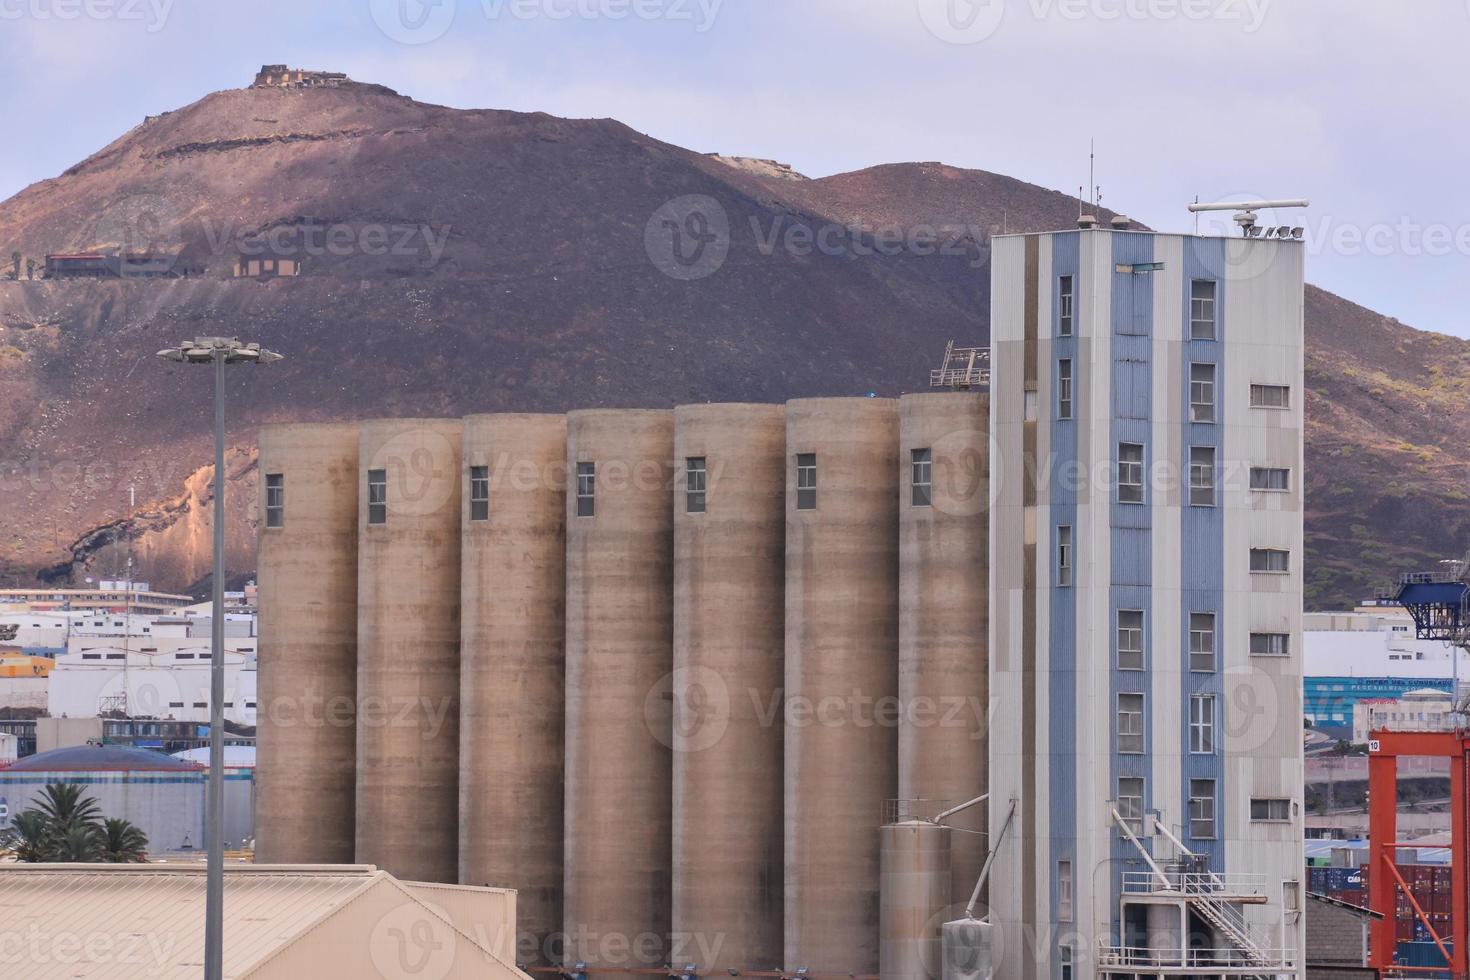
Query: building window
<point>1064,389</point>
<point>1202,642</point>
<point>1028,405</point>
<point>1066,298</point>
<point>1270,478</point>
<point>1202,476</point>
<point>1201,392</point>
<point>695,484</point>
<point>1270,396</point>
<point>479,493</point>
<point>1202,809</point>
<point>1270,645</point>
<point>1065,962</point>
<point>1130,639</point>
<point>377,496</point>
<point>806,481</point>
<point>1272,560</point>
<point>1291,895</point>
<point>1202,724</point>
<point>1064,890</point>
<point>586,489</point>
<point>1130,803</point>
<point>1130,724</point>
<point>1064,556</point>
<point>275,500</point>
<point>921,477</point>
<point>1270,810</point>
<point>1202,310</point>
<point>1130,473</point>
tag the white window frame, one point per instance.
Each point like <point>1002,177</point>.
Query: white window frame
<point>1202,642</point>
<point>1065,391</point>
<point>921,477</point>
<point>275,500</point>
<point>1131,631</point>
<point>1130,807</point>
<point>1269,804</point>
<point>1268,638</point>
<point>1066,305</point>
<point>1202,476</point>
<point>1268,559</point>
<point>1064,890</point>
<point>1130,473</point>
<point>1258,396</point>
<point>1130,723</point>
<point>1204,309</point>
<point>806,481</point>
<point>586,489</point>
<point>696,483</point>
<point>479,493</point>
<point>1260,478</point>
<point>1203,809</point>
<point>1066,962</point>
<point>377,488</point>
<point>1066,556</point>
<point>1204,724</point>
<point>1203,405</point>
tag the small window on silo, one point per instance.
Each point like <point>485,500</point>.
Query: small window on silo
<point>921,477</point>
<point>696,484</point>
<point>275,500</point>
<point>806,481</point>
<point>586,489</point>
<point>479,493</point>
<point>377,496</point>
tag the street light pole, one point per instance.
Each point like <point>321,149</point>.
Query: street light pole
<point>218,351</point>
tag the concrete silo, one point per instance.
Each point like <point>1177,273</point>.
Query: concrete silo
<point>307,569</point>
<point>619,664</point>
<point>729,566</point>
<point>943,613</point>
<point>841,674</point>
<point>512,666</point>
<point>408,647</point>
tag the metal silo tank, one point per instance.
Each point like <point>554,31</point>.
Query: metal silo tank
<point>729,567</point>
<point>841,676</point>
<point>619,650</point>
<point>943,613</point>
<point>512,666</point>
<point>916,900</point>
<point>307,688</point>
<point>408,647</point>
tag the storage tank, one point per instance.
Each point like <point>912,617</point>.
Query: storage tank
<point>915,861</point>
<point>408,648</point>
<point>729,567</point>
<point>841,674</point>
<point>943,619</point>
<point>619,662</point>
<point>306,735</point>
<point>512,666</point>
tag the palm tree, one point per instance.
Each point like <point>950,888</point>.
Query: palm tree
<point>121,842</point>
<point>64,807</point>
<point>29,838</point>
<point>77,845</point>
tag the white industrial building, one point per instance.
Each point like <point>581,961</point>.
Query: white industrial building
<point>166,680</point>
<point>1146,596</point>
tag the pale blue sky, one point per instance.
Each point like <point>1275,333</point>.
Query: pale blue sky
<point>1358,105</point>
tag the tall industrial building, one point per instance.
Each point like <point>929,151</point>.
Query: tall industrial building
<point>1146,595</point>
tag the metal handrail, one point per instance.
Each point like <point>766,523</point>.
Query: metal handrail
<point>1196,957</point>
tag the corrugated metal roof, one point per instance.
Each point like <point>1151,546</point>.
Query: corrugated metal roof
<point>84,921</point>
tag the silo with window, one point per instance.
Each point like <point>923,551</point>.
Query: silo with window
<point>512,666</point>
<point>408,637</point>
<point>841,639</point>
<point>306,734</point>
<point>943,679</point>
<point>729,569</point>
<point>619,664</point>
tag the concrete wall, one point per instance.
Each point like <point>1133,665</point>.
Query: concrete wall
<point>61,733</point>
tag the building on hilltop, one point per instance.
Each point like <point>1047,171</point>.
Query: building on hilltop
<point>281,76</point>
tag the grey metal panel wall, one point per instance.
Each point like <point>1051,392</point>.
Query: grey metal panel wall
<point>841,678</point>
<point>408,651</point>
<point>729,570</point>
<point>619,652</point>
<point>943,616</point>
<point>307,684</point>
<point>512,669</point>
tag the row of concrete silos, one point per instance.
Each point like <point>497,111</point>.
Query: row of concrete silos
<point>672,729</point>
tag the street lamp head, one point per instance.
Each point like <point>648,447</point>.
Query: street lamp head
<point>207,350</point>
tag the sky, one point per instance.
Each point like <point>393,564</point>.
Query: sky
<point>1359,105</point>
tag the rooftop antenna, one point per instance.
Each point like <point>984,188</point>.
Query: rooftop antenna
<point>1196,216</point>
<point>1092,170</point>
<point>1081,202</point>
<point>1246,214</point>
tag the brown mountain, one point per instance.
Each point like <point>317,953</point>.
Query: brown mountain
<point>458,261</point>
